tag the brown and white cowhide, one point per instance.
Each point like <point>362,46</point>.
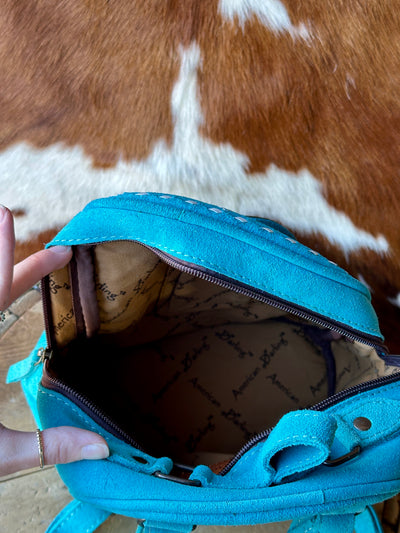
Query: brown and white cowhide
<point>277,108</point>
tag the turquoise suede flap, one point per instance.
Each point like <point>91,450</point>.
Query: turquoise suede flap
<point>254,252</point>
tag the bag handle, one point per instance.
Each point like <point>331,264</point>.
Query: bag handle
<point>83,517</point>
<point>303,440</point>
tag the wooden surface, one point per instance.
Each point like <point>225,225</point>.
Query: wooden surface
<point>30,500</point>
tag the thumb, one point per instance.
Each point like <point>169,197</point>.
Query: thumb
<point>20,450</point>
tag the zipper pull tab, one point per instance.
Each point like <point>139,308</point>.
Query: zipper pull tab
<point>28,367</point>
<point>44,354</point>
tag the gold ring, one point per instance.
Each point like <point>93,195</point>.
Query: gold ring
<point>40,447</point>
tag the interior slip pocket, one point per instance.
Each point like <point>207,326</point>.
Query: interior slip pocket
<point>183,362</point>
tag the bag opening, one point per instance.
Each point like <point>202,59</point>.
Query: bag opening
<point>188,368</point>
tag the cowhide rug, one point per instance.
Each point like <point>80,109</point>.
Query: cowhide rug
<point>282,109</point>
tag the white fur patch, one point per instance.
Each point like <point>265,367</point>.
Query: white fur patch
<point>395,301</point>
<point>271,13</point>
<point>361,278</point>
<point>297,200</point>
<point>53,184</point>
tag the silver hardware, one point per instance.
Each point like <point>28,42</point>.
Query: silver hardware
<point>181,480</point>
<point>44,354</point>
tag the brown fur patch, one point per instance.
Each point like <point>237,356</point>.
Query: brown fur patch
<point>18,212</point>
<point>100,75</point>
<point>380,274</point>
<point>24,249</point>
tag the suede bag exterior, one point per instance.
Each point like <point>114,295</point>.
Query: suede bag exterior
<point>283,477</point>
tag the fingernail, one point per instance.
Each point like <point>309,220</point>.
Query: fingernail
<point>95,451</point>
<point>60,249</point>
<point>3,211</point>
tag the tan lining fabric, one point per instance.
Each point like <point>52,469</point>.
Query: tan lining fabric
<point>63,317</point>
<point>189,368</point>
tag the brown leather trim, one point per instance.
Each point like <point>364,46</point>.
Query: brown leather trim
<point>47,311</point>
<point>76,302</point>
<point>87,289</point>
<point>218,467</point>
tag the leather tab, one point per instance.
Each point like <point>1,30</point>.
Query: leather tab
<point>300,441</point>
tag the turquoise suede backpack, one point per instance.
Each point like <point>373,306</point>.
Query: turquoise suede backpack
<point>238,376</point>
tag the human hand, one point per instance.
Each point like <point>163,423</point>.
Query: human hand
<point>19,449</point>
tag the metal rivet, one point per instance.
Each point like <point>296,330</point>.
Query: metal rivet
<point>362,423</point>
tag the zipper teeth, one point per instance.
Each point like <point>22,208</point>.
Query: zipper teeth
<point>355,389</point>
<point>294,311</point>
<point>59,386</point>
<point>265,299</point>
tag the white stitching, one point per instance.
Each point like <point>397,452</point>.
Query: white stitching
<point>75,410</point>
<point>312,437</point>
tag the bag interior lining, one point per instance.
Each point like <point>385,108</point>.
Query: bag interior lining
<point>189,368</point>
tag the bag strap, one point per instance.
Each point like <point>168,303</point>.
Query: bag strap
<point>365,522</point>
<point>368,521</point>
<point>78,516</point>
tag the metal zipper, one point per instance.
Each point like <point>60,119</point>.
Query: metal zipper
<point>85,404</point>
<point>258,295</point>
<point>43,354</point>
<point>57,385</point>
<point>220,280</point>
<point>239,288</point>
<point>321,406</point>
<point>271,300</point>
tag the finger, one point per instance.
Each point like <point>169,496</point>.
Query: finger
<point>36,266</point>
<point>19,449</point>
<point>7,245</point>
